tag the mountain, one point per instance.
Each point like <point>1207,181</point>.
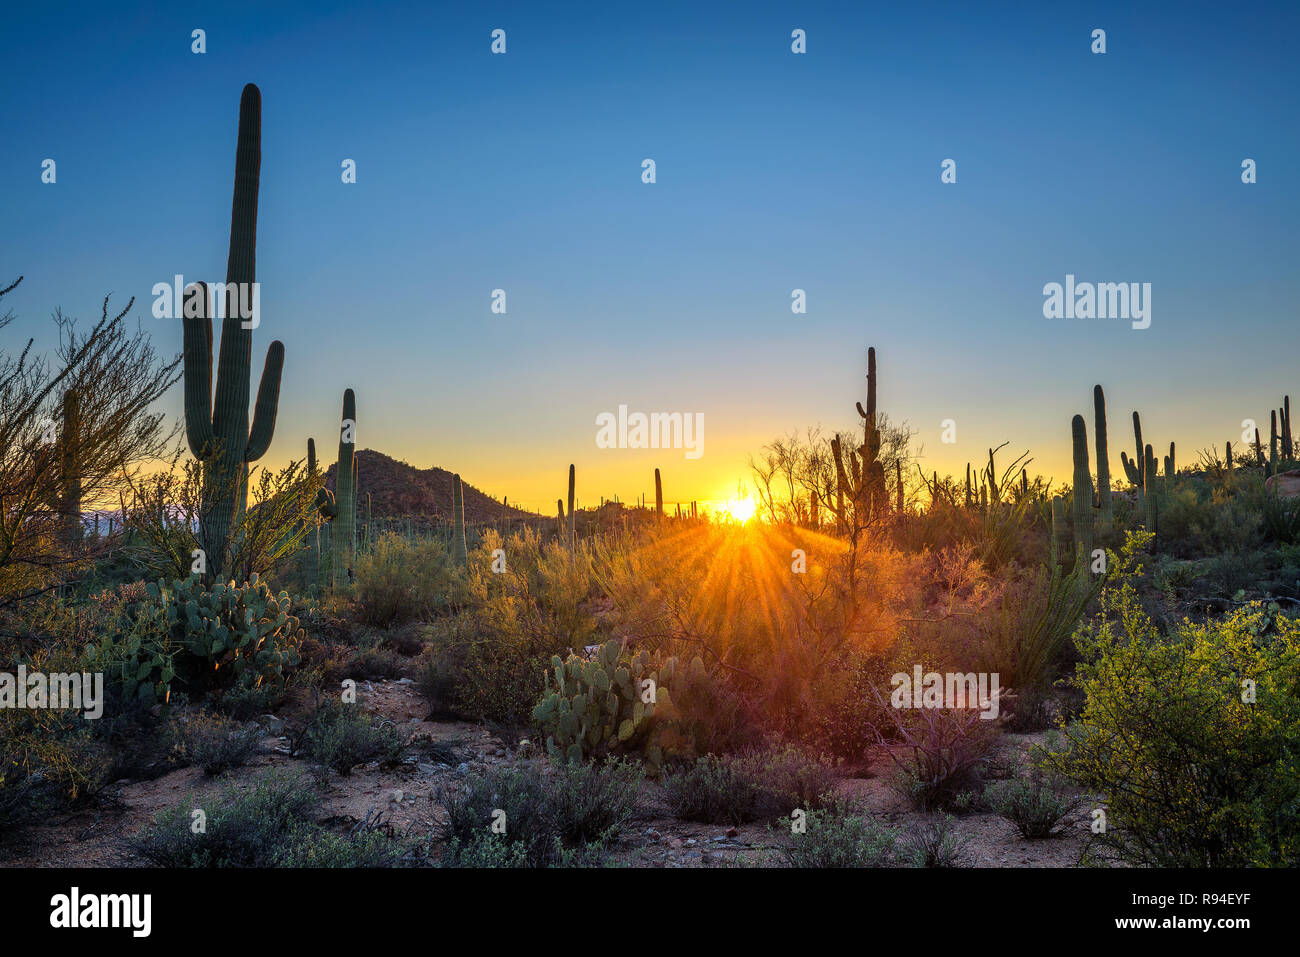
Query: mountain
<point>397,489</point>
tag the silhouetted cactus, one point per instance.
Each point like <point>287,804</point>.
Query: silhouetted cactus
<point>344,534</point>
<point>1082,489</point>
<point>659,496</point>
<point>1060,533</point>
<point>459,549</point>
<point>573,526</point>
<point>1105,508</point>
<point>218,429</point>
<point>1272,443</point>
<point>1149,472</point>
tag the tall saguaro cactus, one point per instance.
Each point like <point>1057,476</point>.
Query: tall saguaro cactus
<point>1082,490</point>
<point>572,519</point>
<point>1106,510</point>
<point>313,534</point>
<point>659,496</point>
<point>344,534</point>
<point>218,429</point>
<point>459,548</point>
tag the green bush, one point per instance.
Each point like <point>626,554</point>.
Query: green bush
<point>401,580</point>
<point>548,818</point>
<point>340,736</point>
<point>1037,807</point>
<point>1192,774</point>
<point>931,842</point>
<point>273,825</point>
<point>737,789</point>
<point>838,836</point>
<point>213,743</point>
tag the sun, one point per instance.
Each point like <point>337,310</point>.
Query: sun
<point>740,509</point>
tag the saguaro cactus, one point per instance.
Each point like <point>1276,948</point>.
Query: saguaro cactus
<point>344,534</point>
<point>1060,533</point>
<point>459,549</point>
<point>871,497</point>
<point>218,430</point>
<point>659,496</point>
<point>572,520</point>
<point>1082,490</point>
<point>1150,473</point>
<point>313,534</point>
<point>1105,507</point>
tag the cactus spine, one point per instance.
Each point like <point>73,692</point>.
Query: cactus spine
<point>218,430</point>
<point>1082,490</point>
<point>459,549</point>
<point>1105,507</point>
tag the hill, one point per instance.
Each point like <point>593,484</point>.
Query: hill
<point>397,489</point>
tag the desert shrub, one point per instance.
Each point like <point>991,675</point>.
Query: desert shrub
<point>213,743</point>
<point>932,842</point>
<point>1233,572</point>
<point>1027,638</point>
<point>1280,518</point>
<point>400,580</point>
<point>576,807</point>
<point>1037,806</point>
<point>840,836</point>
<point>1192,774</point>
<point>736,789</point>
<point>340,736</point>
<point>499,647</point>
<point>435,679</point>
<point>273,825</point>
<point>844,713</point>
<point>940,755</point>
<point>375,661</point>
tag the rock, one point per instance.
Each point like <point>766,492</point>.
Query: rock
<point>652,835</point>
<point>272,724</point>
<point>396,797</point>
<point>1284,484</point>
<point>404,681</point>
<point>732,832</point>
<point>691,842</point>
<point>462,769</point>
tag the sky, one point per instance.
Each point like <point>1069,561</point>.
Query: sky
<point>774,171</point>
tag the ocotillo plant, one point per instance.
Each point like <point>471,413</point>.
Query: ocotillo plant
<point>70,469</point>
<point>218,430</point>
<point>459,549</point>
<point>1082,490</point>
<point>344,534</point>
<point>572,519</point>
<point>1105,508</point>
<point>659,496</point>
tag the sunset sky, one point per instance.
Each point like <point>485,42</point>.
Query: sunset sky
<point>775,171</point>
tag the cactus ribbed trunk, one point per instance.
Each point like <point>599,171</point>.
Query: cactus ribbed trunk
<point>1106,512</point>
<point>218,428</point>
<point>1149,473</point>
<point>1082,490</point>
<point>659,496</point>
<point>313,534</point>
<point>572,492</point>
<point>1287,448</point>
<point>1060,533</point>
<point>1272,443</point>
<point>344,535</point>
<point>459,548</point>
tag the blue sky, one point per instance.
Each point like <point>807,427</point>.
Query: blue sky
<point>775,171</point>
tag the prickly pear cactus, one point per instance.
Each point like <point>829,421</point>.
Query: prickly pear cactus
<point>244,630</point>
<point>611,704</point>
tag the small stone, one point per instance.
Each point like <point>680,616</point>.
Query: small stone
<point>691,842</point>
<point>732,832</point>
<point>462,769</point>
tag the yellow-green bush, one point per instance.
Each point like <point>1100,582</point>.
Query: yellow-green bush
<point>400,580</point>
